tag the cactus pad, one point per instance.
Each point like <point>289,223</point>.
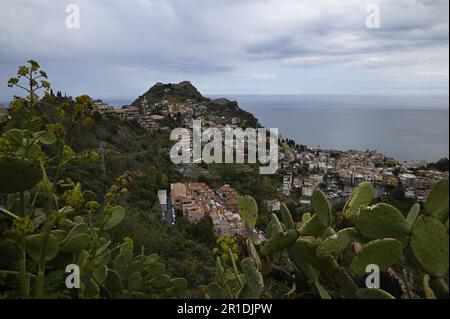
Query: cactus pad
<point>76,243</point>
<point>135,282</point>
<point>314,227</point>
<point>287,217</point>
<point>306,248</point>
<point>429,244</point>
<point>366,293</point>
<point>215,291</point>
<point>116,217</point>
<point>34,243</point>
<point>248,209</point>
<point>382,221</point>
<point>100,274</point>
<point>336,244</point>
<point>361,196</point>
<point>321,207</point>
<point>383,253</point>
<point>437,202</point>
<point>254,279</point>
<point>279,242</point>
<point>413,214</point>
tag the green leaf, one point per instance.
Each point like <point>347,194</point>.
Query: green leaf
<point>16,135</point>
<point>17,175</point>
<point>248,209</point>
<point>116,217</point>
<point>215,291</point>
<point>159,282</point>
<point>177,286</point>
<point>306,217</point>
<point>383,253</point>
<point>120,264</point>
<point>34,243</point>
<point>151,259</point>
<point>135,282</point>
<point>45,137</point>
<point>253,277</point>
<point>361,196</point>
<point>437,202</point>
<point>76,244</point>
<point>103,248</point>
<point>59,234</point>
<point>322,291</point>
<point>313,227</point>
<point>100,274</point>
<point>89,196</point>
<point>113,281</point>
<point>429,293</point>
<point>287,217</point>
<point>156,269</point>
<point>336,244</point>
<point>430,245</point>
<point>179,283</point>
<point>382,221</point>
<point>78,229</point>
<point>321,206</point>
<point>279,242</point>
<point>253,253</point>
<point>373,293</point>
<point>92,289</point>
<point>134,266</point>
<point>413,214</point>
<point>305,248</point>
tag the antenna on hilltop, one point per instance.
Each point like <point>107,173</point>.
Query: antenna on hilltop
<point>144,106</point>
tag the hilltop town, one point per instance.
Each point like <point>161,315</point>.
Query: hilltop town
<point>302,169</point>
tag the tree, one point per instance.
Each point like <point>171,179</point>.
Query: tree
<point>204,231</point>
<point>441,165</point>
<point>35,80</point>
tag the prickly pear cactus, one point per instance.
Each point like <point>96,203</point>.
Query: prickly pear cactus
<point>382,252</point>
<point>361,196</point>
<point>321,207</point>
<point>336,244</point>
<point>248,209</point>
<point>382,221</point>
<point>430,245</point>
<point>313,227</point>
<point>437,202</point>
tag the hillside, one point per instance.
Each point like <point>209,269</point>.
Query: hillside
<point>185,94</point>
<point>173,93</point>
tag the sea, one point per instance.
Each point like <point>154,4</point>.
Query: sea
<point>402,127</point>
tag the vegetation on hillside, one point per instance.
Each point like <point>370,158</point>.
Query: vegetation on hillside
<point>80,188</point>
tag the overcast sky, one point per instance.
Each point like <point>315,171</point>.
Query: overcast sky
<point>230,46</point>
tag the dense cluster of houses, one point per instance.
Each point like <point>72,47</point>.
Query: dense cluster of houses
<point>151,118</point>
<point>338,172</point>
<point>195,200</point>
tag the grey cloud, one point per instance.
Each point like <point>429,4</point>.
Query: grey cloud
<point>182,39</point>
